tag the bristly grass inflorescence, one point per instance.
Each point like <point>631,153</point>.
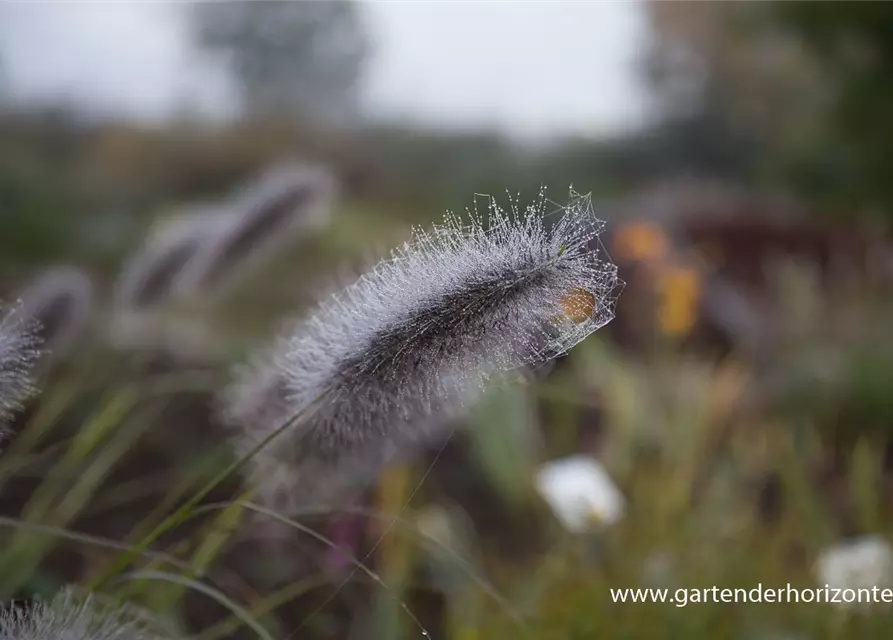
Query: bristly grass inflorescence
<point>150,277</point>
<point>68,617</point>
<point>60,302</point>
<point>19,351</point>
<point>285,202</point>
<point>209,247</point>
<point>389,359</point>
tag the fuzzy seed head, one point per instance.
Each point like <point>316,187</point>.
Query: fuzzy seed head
<point>413,341</point>
<point>150,278</point>
<point>18,354</point>
<point>68,617</point>
<point>283,203</point>
<point>59,301</point>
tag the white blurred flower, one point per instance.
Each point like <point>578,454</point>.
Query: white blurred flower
<point>580,492</point>
<point>861,563</point>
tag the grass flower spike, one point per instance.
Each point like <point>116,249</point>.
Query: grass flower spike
<point>60,301</point>
<point>18,354</point>
<point>149,279</point>
<point>417,338</point>
<point>69,618</point>
<point>284,203</point>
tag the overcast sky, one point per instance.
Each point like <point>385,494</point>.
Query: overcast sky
<point>529,67</point>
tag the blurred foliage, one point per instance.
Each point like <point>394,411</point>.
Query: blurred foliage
<point>834,367</point>
<point>800,92</point>
<point>125,174</point>
<point>852,43</point>
<point>30,219</point>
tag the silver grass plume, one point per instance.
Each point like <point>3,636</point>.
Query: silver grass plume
<point>68,617</point>
<point>59,301</point>
<point>149,282</point>
<point>287,200</point>
<point>18,353</point>
<point>389,359</point>
<point>150,278</point>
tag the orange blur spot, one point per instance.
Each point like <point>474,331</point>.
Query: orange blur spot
<point>578,305</point>
<point>641,241</point>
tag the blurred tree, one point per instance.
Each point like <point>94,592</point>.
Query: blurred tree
<point>733,87</point>
<point>289,59</point>
<point>852,43</point>
<point>733,56</point>
<point>807,83</point>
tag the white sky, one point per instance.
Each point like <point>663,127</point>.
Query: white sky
<point>532,68</point>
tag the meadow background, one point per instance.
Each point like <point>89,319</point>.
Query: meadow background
<point>740,401</point>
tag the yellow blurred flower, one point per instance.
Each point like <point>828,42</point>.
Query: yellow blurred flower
<point>679,289</point>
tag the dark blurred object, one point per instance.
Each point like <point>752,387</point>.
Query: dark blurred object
<point>720,248</point>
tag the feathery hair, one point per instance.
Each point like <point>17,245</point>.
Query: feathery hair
<point>18,353</point>
<point>412,341</point>
<point>286,200</point>
<point>67,617</point>
<point>59,301</point>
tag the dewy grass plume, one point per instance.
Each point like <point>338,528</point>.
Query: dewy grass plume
<point>67,617</point>
<point>59,301</point>
<point>150,277</point>
<point>18,354</point>
<point>285,202</point>
<point>414,340</point>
